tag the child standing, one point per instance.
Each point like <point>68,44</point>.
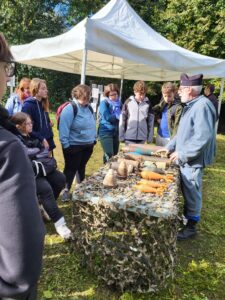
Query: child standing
<point>137,119</point>
<point>168,113</point>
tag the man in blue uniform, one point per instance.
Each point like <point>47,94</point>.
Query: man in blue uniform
<point>193,147</point>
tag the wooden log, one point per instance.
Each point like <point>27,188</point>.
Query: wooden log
<point>140,148</point>
<point>142,158</point>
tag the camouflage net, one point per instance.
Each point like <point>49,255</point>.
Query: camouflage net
<point>126,238</point>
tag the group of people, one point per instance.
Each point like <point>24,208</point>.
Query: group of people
<point>28,171</point>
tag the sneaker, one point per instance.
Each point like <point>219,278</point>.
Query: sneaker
<point>64,231</point>
<point>65,195</point>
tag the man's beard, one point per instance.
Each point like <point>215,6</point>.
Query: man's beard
<point>185,99</point>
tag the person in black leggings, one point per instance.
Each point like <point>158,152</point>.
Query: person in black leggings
<point>49,183</point>
<point>77,135</point>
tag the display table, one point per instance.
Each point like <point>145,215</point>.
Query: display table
<point>125,237</point>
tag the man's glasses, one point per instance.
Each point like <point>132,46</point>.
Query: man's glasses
<point>10,69</point>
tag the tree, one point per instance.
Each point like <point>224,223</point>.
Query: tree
<point>197,25</point>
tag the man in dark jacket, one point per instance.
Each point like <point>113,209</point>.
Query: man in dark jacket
<point>167,114</point>
<point>21,227</point>
<point>208,91</point>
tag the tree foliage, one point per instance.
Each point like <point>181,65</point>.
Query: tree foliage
<point>198,25</point>
<point>22,21</point>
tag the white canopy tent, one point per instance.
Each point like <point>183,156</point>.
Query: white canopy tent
<point>117,43</point>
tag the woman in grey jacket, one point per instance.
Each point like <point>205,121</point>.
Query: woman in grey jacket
<point>22,230</point>
<point>137,119</point>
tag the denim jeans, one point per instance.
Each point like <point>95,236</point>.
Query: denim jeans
<point>191,185</point>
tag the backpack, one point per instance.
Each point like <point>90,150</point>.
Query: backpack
<point>74,105</point>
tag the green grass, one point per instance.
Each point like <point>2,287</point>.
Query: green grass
<point>200,270</point>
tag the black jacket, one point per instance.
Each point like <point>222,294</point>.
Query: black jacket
<point>21,227</point>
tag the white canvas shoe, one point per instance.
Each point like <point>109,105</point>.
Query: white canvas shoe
<point>62,229</point>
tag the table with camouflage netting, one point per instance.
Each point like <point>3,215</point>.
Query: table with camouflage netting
<point>126,238</point>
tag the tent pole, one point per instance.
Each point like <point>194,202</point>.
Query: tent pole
<point>83,69</point>
<point>220,101</point>
<point>121,87</point>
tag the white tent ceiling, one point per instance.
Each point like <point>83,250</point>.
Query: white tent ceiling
<point>119,44</point>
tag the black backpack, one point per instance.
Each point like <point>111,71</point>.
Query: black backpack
<point>74,105</point>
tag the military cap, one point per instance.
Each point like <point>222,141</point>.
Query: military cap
<point>194,80</point>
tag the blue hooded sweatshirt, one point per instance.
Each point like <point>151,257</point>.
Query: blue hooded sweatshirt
<point>80,130</point>
<point>41,122</point>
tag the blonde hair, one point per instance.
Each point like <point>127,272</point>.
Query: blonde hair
<point>34,88</point>
<point>140,87</point>
<point>5,53</point>
<point>81,91</point>
<point>111,88</point>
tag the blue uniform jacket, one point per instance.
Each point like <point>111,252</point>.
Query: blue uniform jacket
<point>195,139</point>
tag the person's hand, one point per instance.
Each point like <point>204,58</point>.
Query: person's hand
<point>45,144</point>
<point>174,156</point>
<point>51,123</point>
<point>158,121</point>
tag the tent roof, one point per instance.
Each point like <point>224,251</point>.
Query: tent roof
<point>120,45</point>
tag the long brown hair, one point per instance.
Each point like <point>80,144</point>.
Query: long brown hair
<point>34,87</point>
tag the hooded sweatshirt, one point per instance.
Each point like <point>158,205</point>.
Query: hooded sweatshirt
<point>41,122</point>
<point>79,130</point>
<point>136,120</point>
<point>22,229</point>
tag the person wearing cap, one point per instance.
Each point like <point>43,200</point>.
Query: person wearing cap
<point>208,91</point>
<point>193,148</point>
